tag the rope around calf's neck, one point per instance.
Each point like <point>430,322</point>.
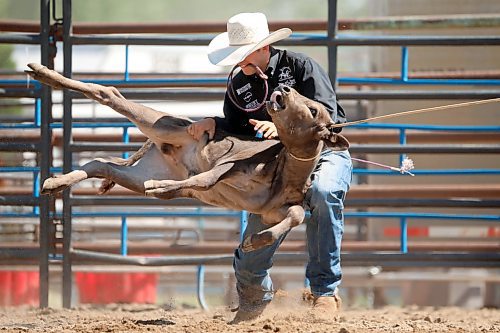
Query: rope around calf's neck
<point>305,159</point>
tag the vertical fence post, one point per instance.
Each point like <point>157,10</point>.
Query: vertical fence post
<point>243,223</point>
<point>402,141</point>
<point>124,228</point>
<point>403,223</point>
<point>200,275</point>
<point>127,75</point>
<point>200,290</point>
<point>38,108</point>
<point>404,235</point>
<point>45,152</point>
<point>404,63</point>
<point>36,174</point>
<point>67,157</point>
<point>332,46</point>
<point>124,237</point>
<point>36,191</point>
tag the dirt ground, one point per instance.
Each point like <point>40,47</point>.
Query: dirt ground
<point>284,317</point>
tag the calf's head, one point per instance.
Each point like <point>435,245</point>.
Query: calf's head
<point>302,122</point>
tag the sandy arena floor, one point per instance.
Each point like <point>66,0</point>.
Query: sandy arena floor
<point>292,318</point>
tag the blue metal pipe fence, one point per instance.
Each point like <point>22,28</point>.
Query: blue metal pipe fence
<point>402,140</point>
<point>484,218</point>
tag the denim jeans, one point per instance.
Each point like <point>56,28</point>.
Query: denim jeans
<point>325,200</point>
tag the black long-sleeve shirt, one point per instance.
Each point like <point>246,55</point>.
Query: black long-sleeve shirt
<point>293,69</point>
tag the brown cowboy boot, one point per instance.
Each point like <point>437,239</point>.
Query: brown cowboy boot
<point>327,304</point>
<point>248,312</point>
<point>251,306</point>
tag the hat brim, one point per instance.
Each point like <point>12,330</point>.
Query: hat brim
<point>220,53</point>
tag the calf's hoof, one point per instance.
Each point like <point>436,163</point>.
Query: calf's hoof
<point>106,186</point>
<point>153,193</point>
<point>257,241</point>
<point>53,185</point>
<point>45,75</point>
<point>160,193</point>
<point>160,184</point>
<point>150,184</point>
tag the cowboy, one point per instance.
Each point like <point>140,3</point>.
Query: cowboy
<point>246,46</point>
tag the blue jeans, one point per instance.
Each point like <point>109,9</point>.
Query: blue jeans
<point>325,200</point>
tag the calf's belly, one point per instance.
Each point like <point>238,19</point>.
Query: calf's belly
<point>223,195</point>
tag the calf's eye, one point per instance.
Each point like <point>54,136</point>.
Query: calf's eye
<point>314,112</point>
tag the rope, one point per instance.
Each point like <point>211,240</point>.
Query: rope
<point>435,108</point>
<point>305,159</point>
<point>232,95</point>
<point>401,169</point>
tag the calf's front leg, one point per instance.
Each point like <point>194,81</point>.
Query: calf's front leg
<point>168,189</point>
<point>295,216</point>
<point>98,168</point>
<point>150,163</point>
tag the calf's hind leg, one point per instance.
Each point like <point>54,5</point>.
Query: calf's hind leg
<point>58,183</point>
<point>156,125</point>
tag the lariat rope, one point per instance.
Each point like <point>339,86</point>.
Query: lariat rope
<point>407,164</point>
<point>405,167</point>
<point>401,169</point>
<point>232,95</point>
<point>435,108</point>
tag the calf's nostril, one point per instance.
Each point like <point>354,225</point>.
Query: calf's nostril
<point>286,89</point>
<point>279,100</point>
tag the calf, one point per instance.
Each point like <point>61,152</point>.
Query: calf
<point>267,177</point>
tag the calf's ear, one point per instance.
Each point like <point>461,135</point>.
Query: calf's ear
<point>334,141</point>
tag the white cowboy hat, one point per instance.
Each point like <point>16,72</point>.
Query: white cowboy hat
<point>246,33</point>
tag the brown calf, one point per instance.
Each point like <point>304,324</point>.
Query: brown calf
<point>267,177</point>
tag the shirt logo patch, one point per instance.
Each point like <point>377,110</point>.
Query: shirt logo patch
<point>285,77</point>
<point>289,83</point>
<point>285,74</point>
<point>253,104</point>
<point>248,96</point>
<point>243,89</point>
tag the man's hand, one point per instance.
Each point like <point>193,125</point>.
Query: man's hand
<point>197,129</point>
<point>267,128</point>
